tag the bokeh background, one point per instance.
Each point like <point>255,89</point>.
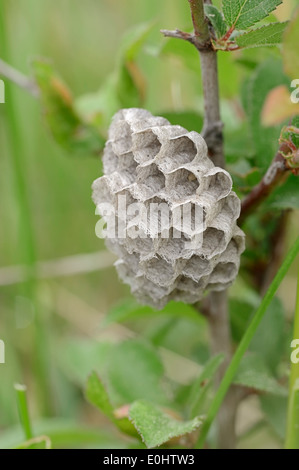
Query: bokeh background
<point>52,327</point>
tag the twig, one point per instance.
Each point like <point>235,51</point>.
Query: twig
<point>277,171</point>
<point>18,78</point>
<point>69,266</point>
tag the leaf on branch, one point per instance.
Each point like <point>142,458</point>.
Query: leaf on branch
<point>268,35</point>
<point>135,371</point>
<point>290,48</point>
<point>125,87</point>
<point>68,128</point>
<point>267,76</point>
<point>156,427</point>
<point>241,14</point>
<point>97,395</point>
<point>216,19</point>
<point>278,106</point>
<point>253,373</point>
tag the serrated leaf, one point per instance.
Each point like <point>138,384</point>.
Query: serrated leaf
<point>97,395</point>
<point>202,384</point>
<point>156,427</point>
<point>244,13</point>
<point>290,47</point>
<point>253,373</point>
<point>134,372</point>
<point>217,20</point>
<point>268,35</point>
<point>67,127</point>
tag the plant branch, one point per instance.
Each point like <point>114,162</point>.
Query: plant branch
<point>217,305</point>
<point>200,24</point>
<point>9,72</point>
<point>276,173</point>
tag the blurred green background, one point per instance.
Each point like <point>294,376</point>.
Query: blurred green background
<point>55,339</point>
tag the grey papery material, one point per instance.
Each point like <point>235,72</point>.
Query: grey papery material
<point>150,161</point>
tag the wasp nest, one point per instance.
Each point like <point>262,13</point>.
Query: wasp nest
<point>161,173</point>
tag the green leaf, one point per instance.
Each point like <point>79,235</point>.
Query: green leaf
<point>130,310</point>
<point>285,196</point>
<point>290,47</point>
<point>134,40</point>
<point>275,409</point>
<point>125,87</point>
<point>217,20</point>
<point>65,434</point>
<point>201,385</point>
<point>265,139</point>
<point>156,427</point>
<point>244,13</point>
<point>97,395</point>
<point>268,35</point>
<point>69,130</point>
<point>184,52</point>
<point>254,374</point>
<point>190,120</point>
<point>134,372</point>
<point>77,357</point>
<point>240,313</point>
<point>269,339</point>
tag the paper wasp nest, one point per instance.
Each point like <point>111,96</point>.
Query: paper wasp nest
<point>152,164</point>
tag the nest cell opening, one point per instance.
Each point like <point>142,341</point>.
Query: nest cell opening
<point>146,146</point>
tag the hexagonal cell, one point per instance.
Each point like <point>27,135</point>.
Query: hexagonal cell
<point>219,185</point>
<point>232,206</point>
<point>127,167</point>
<point>173,248</point>
<point>158,217</point>
<point>190,219</point>
<point>110,159</point>
<point>213,242</point>
<point>189,285</point>
<point>122,142</point>
<point>146,146</point>
<point>179,151</point>
<point>196,267</point>
<point>147,291</point>
<point>182,183</point>
<point>239,239</point>
<point>151,180</point>
<point>224,272</point>
<point>143,245</point>
<point>159,271</point>
<point>102,192</point>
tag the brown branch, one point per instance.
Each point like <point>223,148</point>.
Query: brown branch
<point>275,175</point>
<point>217,305</point>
